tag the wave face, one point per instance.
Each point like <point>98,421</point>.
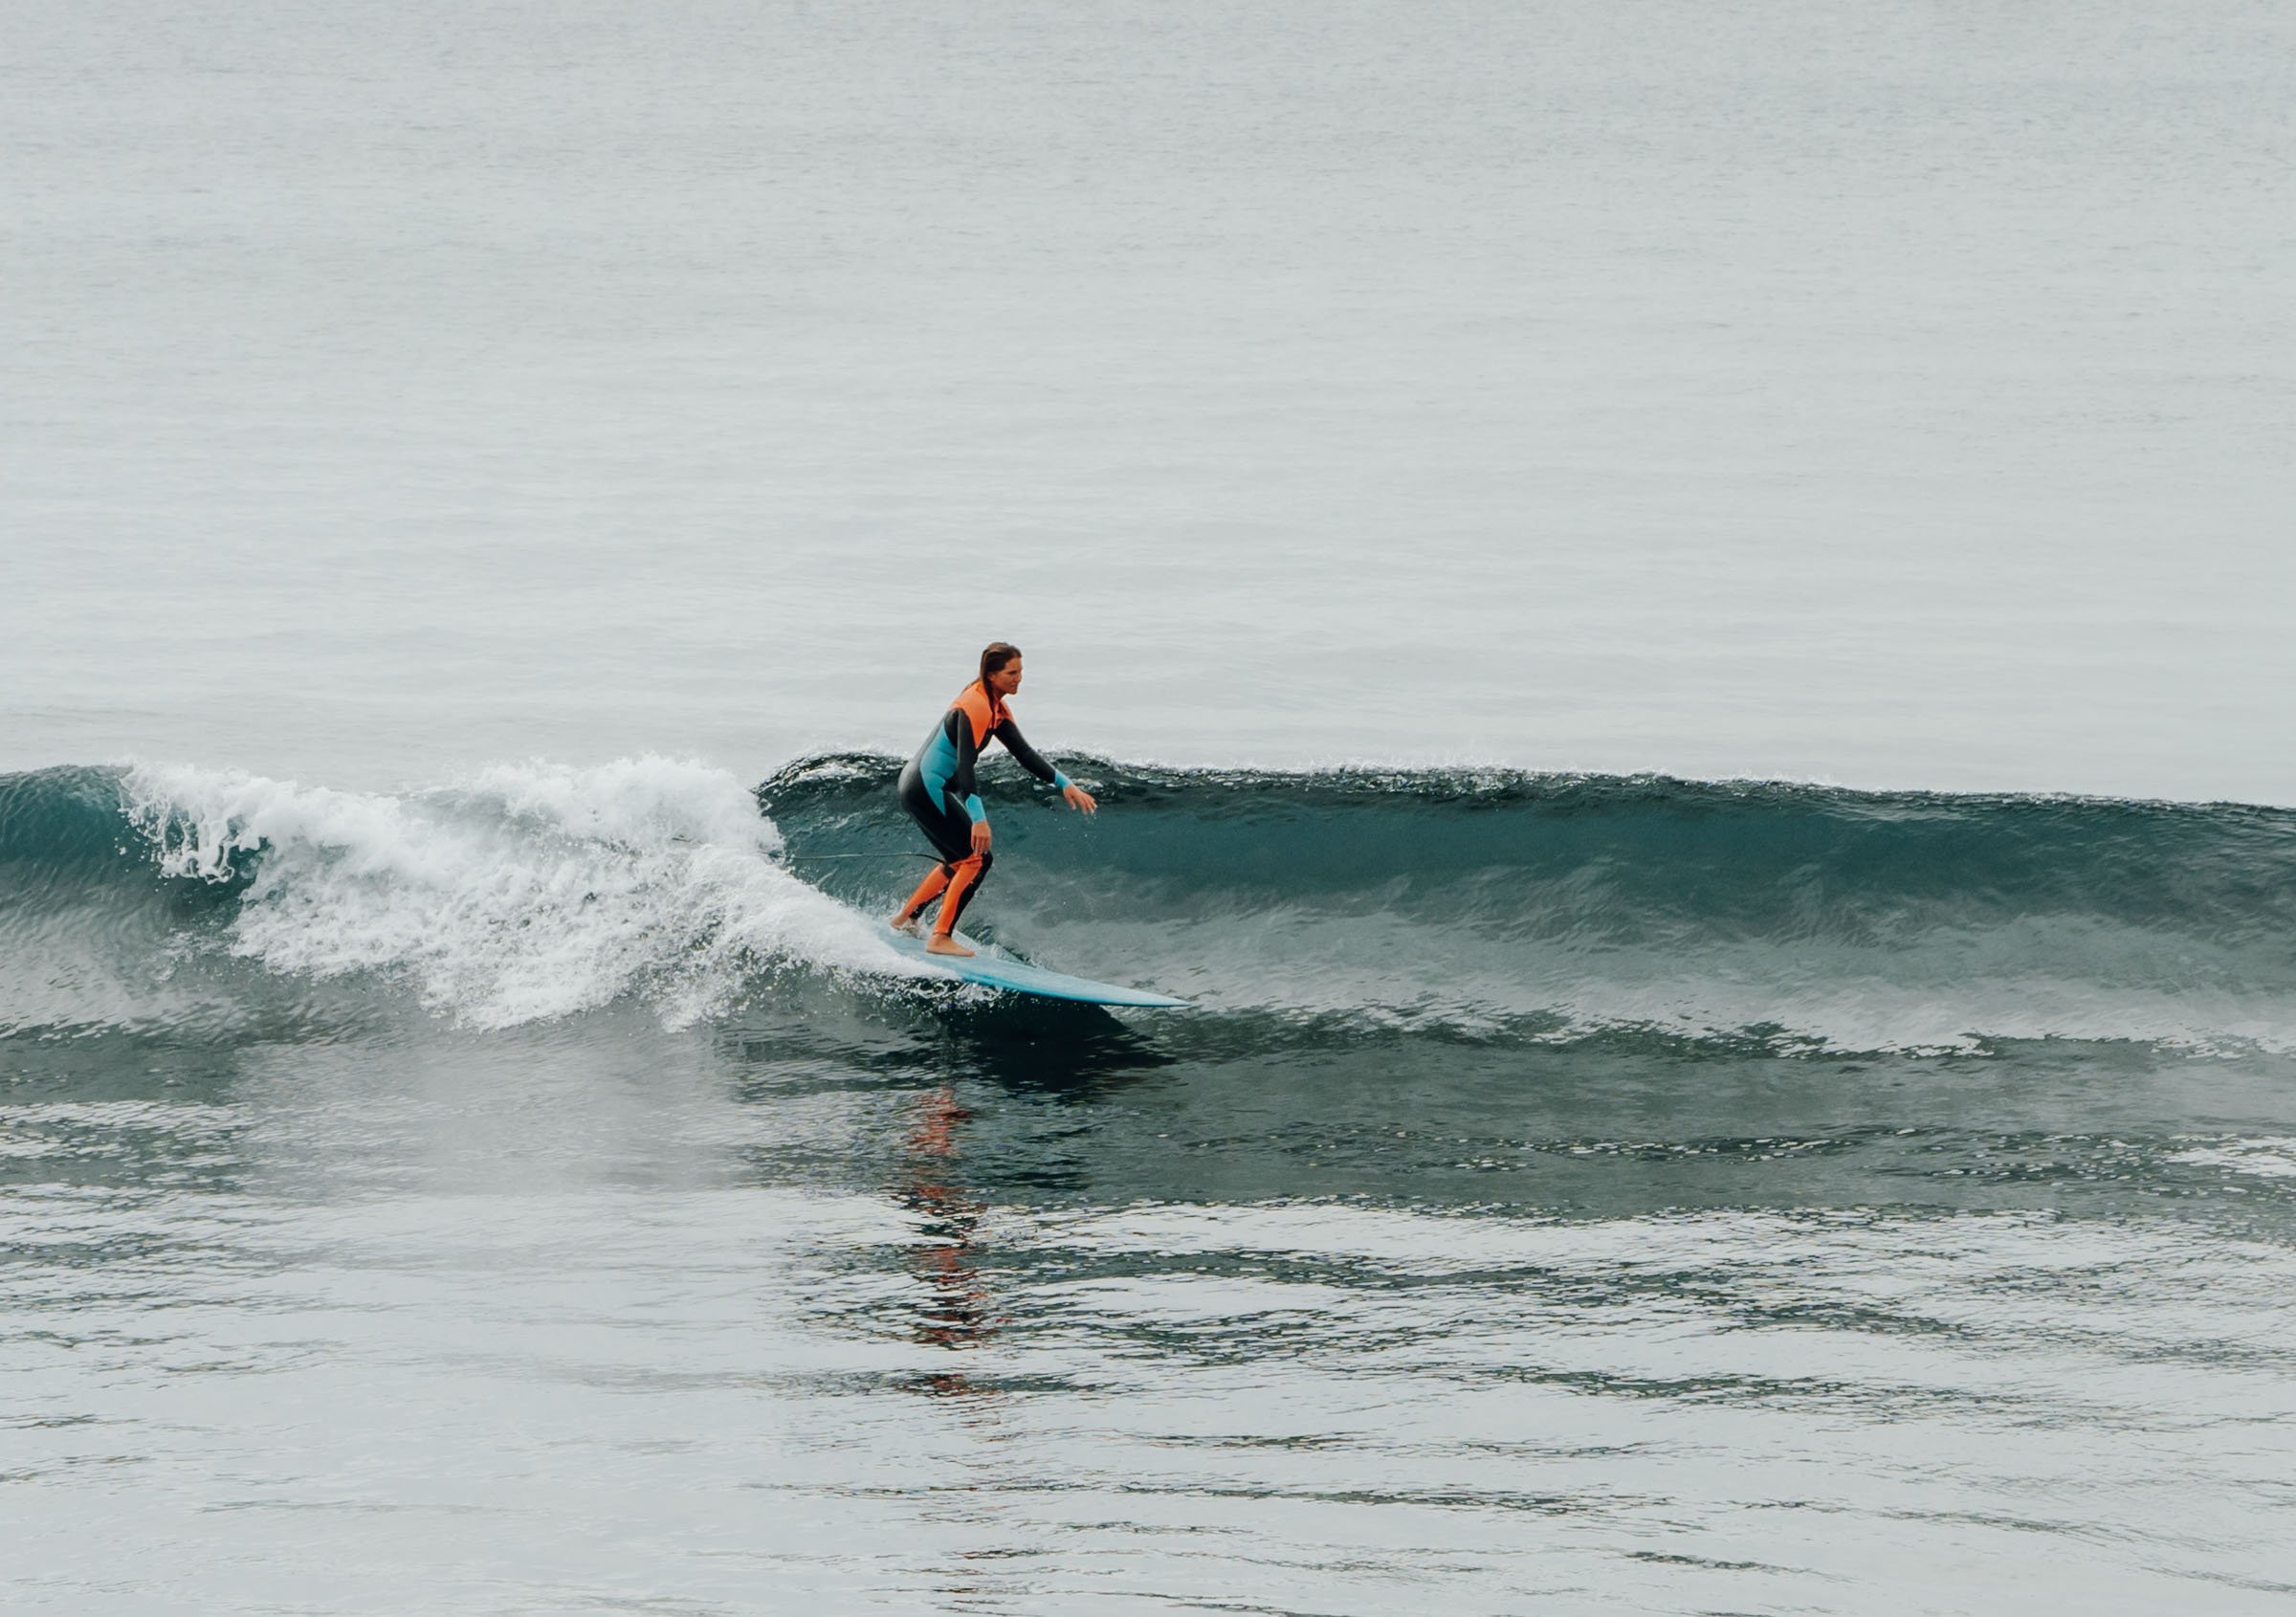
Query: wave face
<point>1499,905</point>
<point>1468,907</point>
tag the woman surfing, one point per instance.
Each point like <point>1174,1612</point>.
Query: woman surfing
<point>938,790</point>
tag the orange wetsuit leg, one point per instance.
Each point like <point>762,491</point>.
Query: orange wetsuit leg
<point>965,877</point>
<point>927,890</point>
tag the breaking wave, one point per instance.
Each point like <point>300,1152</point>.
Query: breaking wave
<point>1471,906</point>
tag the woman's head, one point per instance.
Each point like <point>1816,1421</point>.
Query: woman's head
<point>1001,669</point>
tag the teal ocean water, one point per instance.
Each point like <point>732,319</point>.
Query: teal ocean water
<point>1618,1193</point>
<point>1678,613</point>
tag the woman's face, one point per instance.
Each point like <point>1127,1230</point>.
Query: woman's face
<point>1006,679</point>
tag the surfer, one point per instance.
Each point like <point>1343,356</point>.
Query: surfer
<point>936,788</point>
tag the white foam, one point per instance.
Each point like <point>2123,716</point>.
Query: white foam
<point>533,891</point>
<point>2272,1157</point>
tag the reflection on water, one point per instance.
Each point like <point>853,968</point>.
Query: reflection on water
<point>954,1312</point>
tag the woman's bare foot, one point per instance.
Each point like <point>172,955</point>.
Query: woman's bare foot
<point>902,924</point>
<point>944,944</point>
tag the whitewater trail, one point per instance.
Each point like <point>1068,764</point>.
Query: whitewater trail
<point>534,891</point>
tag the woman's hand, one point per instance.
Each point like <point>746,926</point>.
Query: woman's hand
<point>1079,799</point>
<point>980,837</point>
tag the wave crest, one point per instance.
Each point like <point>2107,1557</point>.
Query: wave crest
<point>537,891</point>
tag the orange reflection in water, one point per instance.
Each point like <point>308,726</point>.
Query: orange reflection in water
<point>956,1310</point>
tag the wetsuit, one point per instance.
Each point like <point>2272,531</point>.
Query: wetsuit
<point>938,790</point>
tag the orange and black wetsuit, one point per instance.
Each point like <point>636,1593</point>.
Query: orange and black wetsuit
<point>936,788</point>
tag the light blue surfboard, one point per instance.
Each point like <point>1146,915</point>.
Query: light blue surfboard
<point>1018,976</point>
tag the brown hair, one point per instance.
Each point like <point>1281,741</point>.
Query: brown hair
<point>994,657</point>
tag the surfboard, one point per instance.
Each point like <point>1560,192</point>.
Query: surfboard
<point>1017,976</point>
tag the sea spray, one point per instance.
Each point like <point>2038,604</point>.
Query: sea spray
<point>535,891</point>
